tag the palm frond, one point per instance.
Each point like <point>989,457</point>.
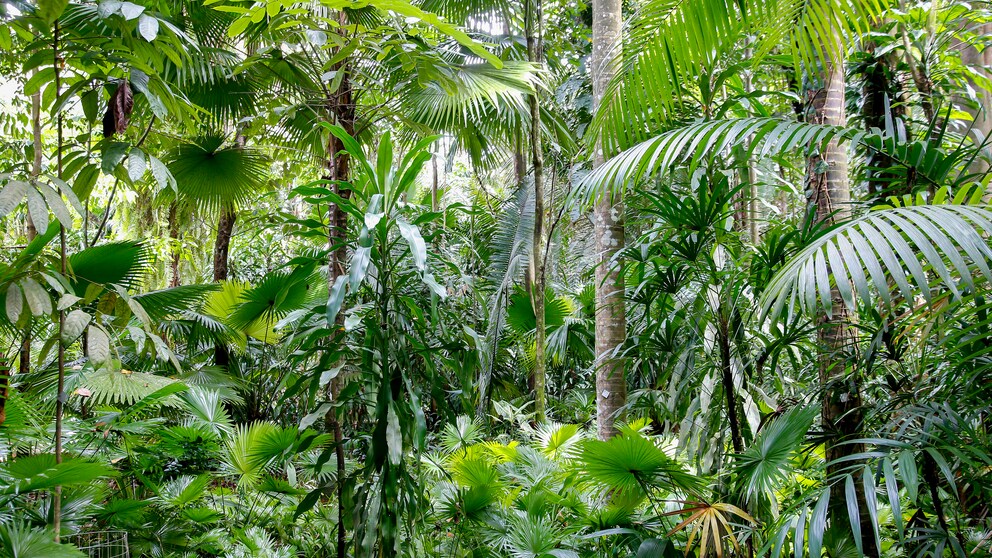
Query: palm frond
<point>19,540</point>
<point>663,152</point>
<point>766,461</point>
<point>920,249</point>
<point>114,263</point>
<point>631,464</point>
<point>122,387</point>
<point>175,301</point>
<point>671,43</point>
<point>211,177</point>
<point>42,471</point>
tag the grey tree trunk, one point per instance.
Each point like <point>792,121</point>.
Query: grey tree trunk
<point>537,278</point>
<point>841,412</point>
<point>979,61</point>
<point>611,322</point>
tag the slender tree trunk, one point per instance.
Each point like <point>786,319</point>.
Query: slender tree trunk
<point>434,189</point>
<point>841,412</point>
<point>979,61</point>
<point>753,209</point>
<point>729,390</point>
<point>611,319</point>
<point>341,106</point>
<point>4,387</point>
<point>174,242</point>
<point>222,246</point>
<point>880,103</point>
<point>534,54</point>
<point>60,387</point>
<point>24,360</point>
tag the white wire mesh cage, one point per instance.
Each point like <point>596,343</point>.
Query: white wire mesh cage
<point>101,544</point>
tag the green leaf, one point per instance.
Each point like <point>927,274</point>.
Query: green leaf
<point>113,154</point>
<point>14,303</point>
<point>57,206</point>
<point>19,540</point>
<point>37,209</point>
<point>136,164</point>
<point>40,79</point>
<point>42,472</point>
<point>629,461</point>
<point>394,437</point>
<point>98,345</point>
<point>418,248</point>
<point>50,10</point>
<point>12,195</point>
<point>148,27</point>
<point>75,322</point>
<point>853,514</point>
<point>37,297</point>
<point>161,174</point>
<point>131,11</point>
<point>108,8</point>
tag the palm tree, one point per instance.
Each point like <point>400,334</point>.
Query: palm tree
<point>611,383</point>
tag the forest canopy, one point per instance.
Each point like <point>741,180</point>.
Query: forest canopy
<point>495,278</point>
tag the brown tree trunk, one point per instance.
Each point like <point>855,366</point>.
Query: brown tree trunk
<point>222,246</point>
<point>841,411</point>
<point>533,31</point>
<point>611,320</point>
<point>4,387</point>
<point>729,390</point>
<point>341,108</point>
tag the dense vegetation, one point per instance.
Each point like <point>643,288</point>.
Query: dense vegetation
<point>495,278</point>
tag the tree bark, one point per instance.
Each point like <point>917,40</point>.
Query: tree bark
<point>174,239</point>
<point>611,322</point>
<point>729,390</point>
<point>534,54</point>
<point>979,61</point>
<point>24,357</point>
<point>841,411</point>
<point>341,110</point>
<point>222,246</point>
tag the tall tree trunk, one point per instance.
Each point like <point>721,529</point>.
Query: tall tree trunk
<point>174,239</point>
<point>727,372</point>
<point>222,246</point>
<point>340,105</point>
<point>753,209</point>
<point>60,359</point>
<point>4,387</point>
<point>534,54</point>
<point>24,358</point>
<point>611,320</point>
<point>841,411</point>
<point>979,61</point>
<point>880,103</point>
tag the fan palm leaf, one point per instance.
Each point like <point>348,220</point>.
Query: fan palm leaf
<point>767,460</point>
<point>630,464</point>
<point>211,177</point>
<point>114,263</point>
<point>19,540</point>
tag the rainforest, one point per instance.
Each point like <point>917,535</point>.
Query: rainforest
<point>495,278</point>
